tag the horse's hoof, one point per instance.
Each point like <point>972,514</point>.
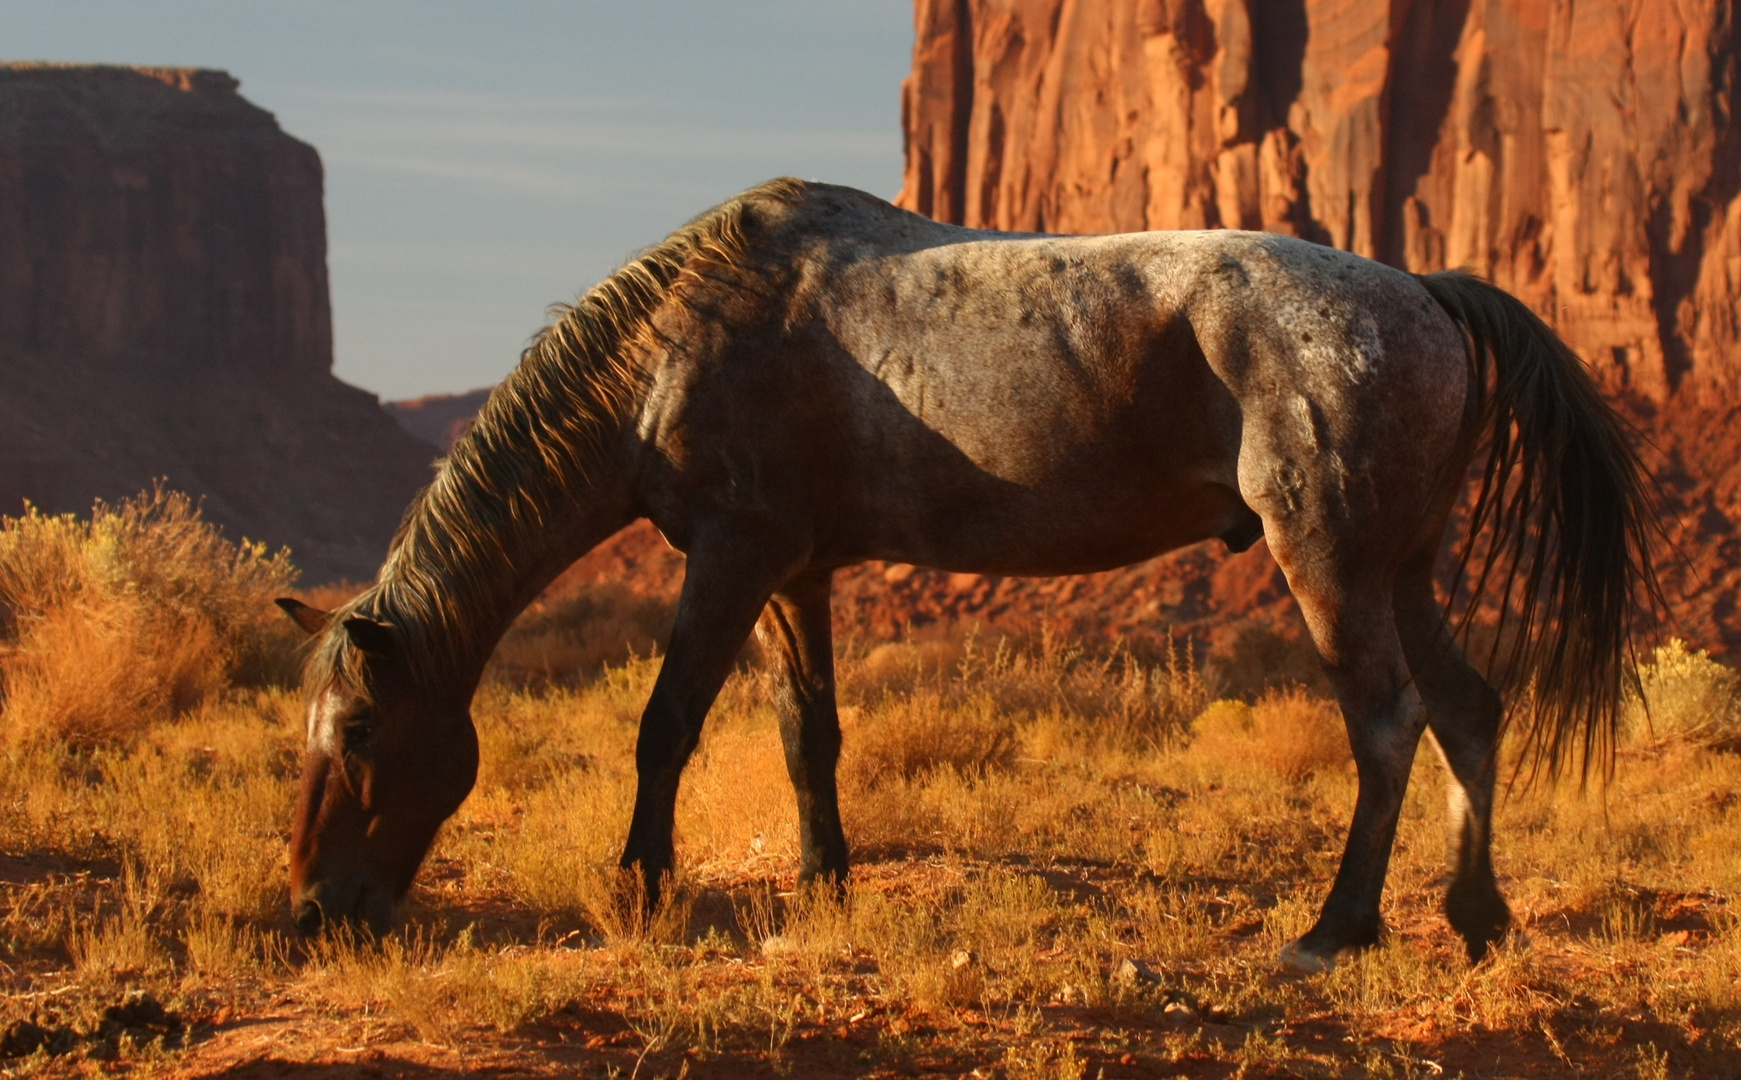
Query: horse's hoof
<point>1297,957</point>
<point>1480,949</point>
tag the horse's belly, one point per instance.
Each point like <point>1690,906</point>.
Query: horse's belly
<point>1079,527</point>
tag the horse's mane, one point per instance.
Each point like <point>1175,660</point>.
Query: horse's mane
<point>533,447</point>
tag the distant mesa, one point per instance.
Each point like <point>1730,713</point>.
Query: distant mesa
<point>439,419</point>
<point>164,313</point>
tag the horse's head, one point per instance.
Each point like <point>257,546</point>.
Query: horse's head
<point>387,761</point>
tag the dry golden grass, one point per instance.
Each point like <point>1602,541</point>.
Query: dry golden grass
<point>1026,821</point>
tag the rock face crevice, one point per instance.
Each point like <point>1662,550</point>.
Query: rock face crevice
<point>1583,156</point>
<point>164,314</point>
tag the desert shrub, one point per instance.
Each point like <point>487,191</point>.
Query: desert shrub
<point>1253,658</point>
<point>908,736</point>
<point>1688,697</point>
<point>1290,732</point>
<point>902,666</point>
<point>134,615</point>
<point>569,635</point>
<point>1144,704</point>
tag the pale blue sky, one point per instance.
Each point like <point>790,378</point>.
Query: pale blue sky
<point>486,159</point>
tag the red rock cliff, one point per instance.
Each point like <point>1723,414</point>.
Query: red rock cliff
<point>1582,155</point>
<point>1585,156</point>
<point>164,313</point>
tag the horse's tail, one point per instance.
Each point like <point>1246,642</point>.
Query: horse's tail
<point>1564,501</point>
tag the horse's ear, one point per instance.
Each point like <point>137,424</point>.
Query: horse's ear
<point>374,638</point>
<point>311,619</point>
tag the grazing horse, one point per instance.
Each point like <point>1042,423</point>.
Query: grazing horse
<point>806,377</point>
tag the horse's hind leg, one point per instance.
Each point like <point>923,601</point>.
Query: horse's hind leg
<point>1464,714</point>
<point>1354,628</point>
<point>796,632</point>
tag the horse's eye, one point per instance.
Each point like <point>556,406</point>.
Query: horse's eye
<point>359,730</point>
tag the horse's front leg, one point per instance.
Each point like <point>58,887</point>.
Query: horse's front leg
<point>1385,717</point>
<point>724,589</point>
<point>796,632</point>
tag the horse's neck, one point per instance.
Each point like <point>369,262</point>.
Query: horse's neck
<point>481,595</point>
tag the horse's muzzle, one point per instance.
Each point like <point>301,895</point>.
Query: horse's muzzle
<point>308,918</point>
<point>357,903</point>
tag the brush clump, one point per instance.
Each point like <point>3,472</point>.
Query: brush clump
<point>130,617</point>
<point>1287,731</point>
<point>1686,698</point>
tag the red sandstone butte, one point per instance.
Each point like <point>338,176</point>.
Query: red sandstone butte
<point>164,313</point>
<point>1583,156</point>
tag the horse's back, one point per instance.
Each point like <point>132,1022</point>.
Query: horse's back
<point>1260,305</point>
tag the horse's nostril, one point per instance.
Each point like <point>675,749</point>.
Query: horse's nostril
<point>308,917</point>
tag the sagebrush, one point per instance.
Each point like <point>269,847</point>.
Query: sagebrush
<point>137,613</point>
